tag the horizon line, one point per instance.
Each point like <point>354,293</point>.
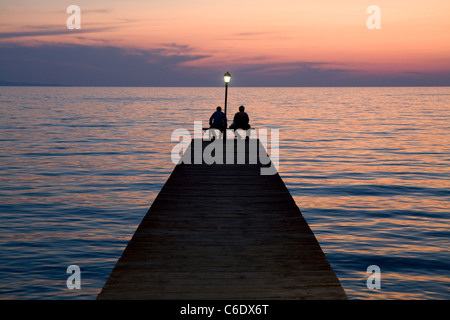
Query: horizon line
<point>153,86</point>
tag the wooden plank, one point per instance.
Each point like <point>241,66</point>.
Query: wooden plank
<point>223,231</point>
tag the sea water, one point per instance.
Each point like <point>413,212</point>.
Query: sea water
<point>368,168</point>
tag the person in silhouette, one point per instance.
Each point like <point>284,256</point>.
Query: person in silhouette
<point>218,120</point>
<point>241,120</point>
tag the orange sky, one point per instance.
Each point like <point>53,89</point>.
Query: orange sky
<point>414,35</point>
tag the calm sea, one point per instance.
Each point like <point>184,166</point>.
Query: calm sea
<point>368,167</point>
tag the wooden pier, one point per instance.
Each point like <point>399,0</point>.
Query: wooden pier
<point>223,231</point>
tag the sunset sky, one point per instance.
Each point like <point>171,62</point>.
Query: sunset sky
<point>194,42</point>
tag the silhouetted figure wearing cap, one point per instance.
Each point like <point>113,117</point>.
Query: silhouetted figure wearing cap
<point>218,120</point>
<point>241,120</point>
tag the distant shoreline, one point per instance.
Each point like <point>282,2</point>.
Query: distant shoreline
<point>27,84</point>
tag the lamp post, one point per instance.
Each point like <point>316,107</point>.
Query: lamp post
<point>226,78</point>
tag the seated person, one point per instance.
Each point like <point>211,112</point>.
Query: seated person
<point>218,120</point>
<point>241,120</point>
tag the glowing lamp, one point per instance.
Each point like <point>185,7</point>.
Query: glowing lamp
<point>227,77</point>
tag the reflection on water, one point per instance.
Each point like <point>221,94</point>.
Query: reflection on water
<point>368,167</point>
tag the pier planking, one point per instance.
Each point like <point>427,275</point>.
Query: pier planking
<point>223,231</point>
